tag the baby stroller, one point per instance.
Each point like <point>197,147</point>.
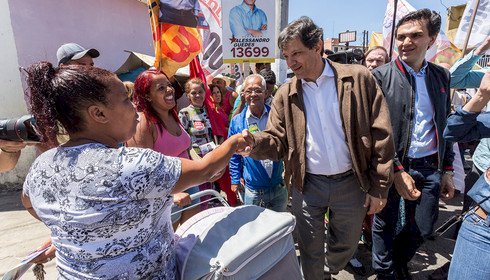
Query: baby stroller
<point>246,242</point>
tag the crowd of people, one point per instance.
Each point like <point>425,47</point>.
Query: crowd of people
<point>352,149</point>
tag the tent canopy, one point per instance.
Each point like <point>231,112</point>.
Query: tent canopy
<point>138,60</point>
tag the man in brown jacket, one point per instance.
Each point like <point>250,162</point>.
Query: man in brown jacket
<point>330,124</point>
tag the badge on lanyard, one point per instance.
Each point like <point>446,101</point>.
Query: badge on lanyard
<point>253,128</point>
<point>198,125</point>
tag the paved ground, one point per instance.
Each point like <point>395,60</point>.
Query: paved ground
<point>431,256</point>
<point>20,234</point>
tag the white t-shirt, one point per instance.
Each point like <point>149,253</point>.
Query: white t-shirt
<point>108,210</point>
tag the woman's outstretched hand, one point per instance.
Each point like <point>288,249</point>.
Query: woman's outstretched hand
<point>246,143</point>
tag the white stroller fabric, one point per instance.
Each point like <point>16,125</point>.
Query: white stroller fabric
<point>246,242</point>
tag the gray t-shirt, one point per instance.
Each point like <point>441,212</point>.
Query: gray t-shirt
<point>108,210</point>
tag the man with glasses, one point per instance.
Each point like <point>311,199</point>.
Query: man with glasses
<point>263,178</point>
<point>270,91</point>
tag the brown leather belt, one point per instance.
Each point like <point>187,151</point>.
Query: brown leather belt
<point>481,212</point>
<point>340,175</point>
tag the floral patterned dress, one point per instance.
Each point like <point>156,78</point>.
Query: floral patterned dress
<point>108,210</point>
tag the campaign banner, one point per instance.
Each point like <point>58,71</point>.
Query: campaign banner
<point>481,25</point>
<point>248,31</point>
<point>210,27</point>
<point>402,9</point>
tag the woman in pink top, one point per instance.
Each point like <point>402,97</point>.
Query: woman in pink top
<point>159,127</point>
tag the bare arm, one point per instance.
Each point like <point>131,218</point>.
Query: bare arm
<point>26,201</point>
<point>255,33</point>
<point>51,252</point>
<point>240,107</point>
<point>481,98</point>
<point>233,97</point>
<point>195,172</point>
<point>483,47</point>
<point>143,137</point>
<point>9,154</point>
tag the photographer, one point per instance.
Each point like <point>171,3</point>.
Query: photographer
<point>9,154</point>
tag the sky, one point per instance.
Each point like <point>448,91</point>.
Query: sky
<point>336,16</point>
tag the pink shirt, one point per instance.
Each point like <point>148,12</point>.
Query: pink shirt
<point>171,145</point>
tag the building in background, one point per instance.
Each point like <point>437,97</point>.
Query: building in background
<point>31,31</point>
<point>334,45</point>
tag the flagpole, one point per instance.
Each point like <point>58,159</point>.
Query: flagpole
<point>472,20</point>
<point>393,28</point>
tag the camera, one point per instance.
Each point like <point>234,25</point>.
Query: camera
<point>21,129</point>
<point>350,56</point>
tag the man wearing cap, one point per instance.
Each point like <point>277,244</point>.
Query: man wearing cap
<point>71,54</point>
<point>74,54</point>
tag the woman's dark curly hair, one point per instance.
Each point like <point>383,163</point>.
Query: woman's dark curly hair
<point>58,96</point>
<point>142,87</point>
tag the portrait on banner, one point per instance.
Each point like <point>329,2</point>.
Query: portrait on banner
<point>248,31</point>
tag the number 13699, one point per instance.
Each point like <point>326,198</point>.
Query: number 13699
<point>250,52</point>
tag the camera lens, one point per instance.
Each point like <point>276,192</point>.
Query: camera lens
<point>21,129</point>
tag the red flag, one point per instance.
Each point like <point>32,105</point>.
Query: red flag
<point>218,124</point>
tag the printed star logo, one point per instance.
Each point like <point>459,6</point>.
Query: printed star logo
<point>233,40</point>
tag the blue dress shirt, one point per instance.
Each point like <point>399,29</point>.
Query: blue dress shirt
<point>424,140</point>
<point>243,18</point>
<point>462,75</point>
<point>467,126</point>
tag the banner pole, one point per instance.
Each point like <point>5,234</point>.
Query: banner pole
<point>393,29</point>
<point>472,21</point>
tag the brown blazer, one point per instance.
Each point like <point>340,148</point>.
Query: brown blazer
<point>365,119</point>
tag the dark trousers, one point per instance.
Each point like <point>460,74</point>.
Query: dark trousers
<point>344,199</point>
<point>392,248</point>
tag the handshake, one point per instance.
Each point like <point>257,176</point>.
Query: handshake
<point>245,142</point>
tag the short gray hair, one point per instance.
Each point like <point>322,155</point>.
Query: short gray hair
<point>303,28</point>
<point>253,76</point>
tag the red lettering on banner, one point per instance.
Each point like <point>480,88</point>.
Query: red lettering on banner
<point>214,7</point>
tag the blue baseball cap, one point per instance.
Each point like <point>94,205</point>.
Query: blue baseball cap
<point>72,51</point>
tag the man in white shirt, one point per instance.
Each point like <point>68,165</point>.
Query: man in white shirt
<point>330,124</point>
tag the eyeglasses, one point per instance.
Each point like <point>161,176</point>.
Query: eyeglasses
<point>256,90</point>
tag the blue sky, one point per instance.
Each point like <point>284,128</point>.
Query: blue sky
<point>336,16</point>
